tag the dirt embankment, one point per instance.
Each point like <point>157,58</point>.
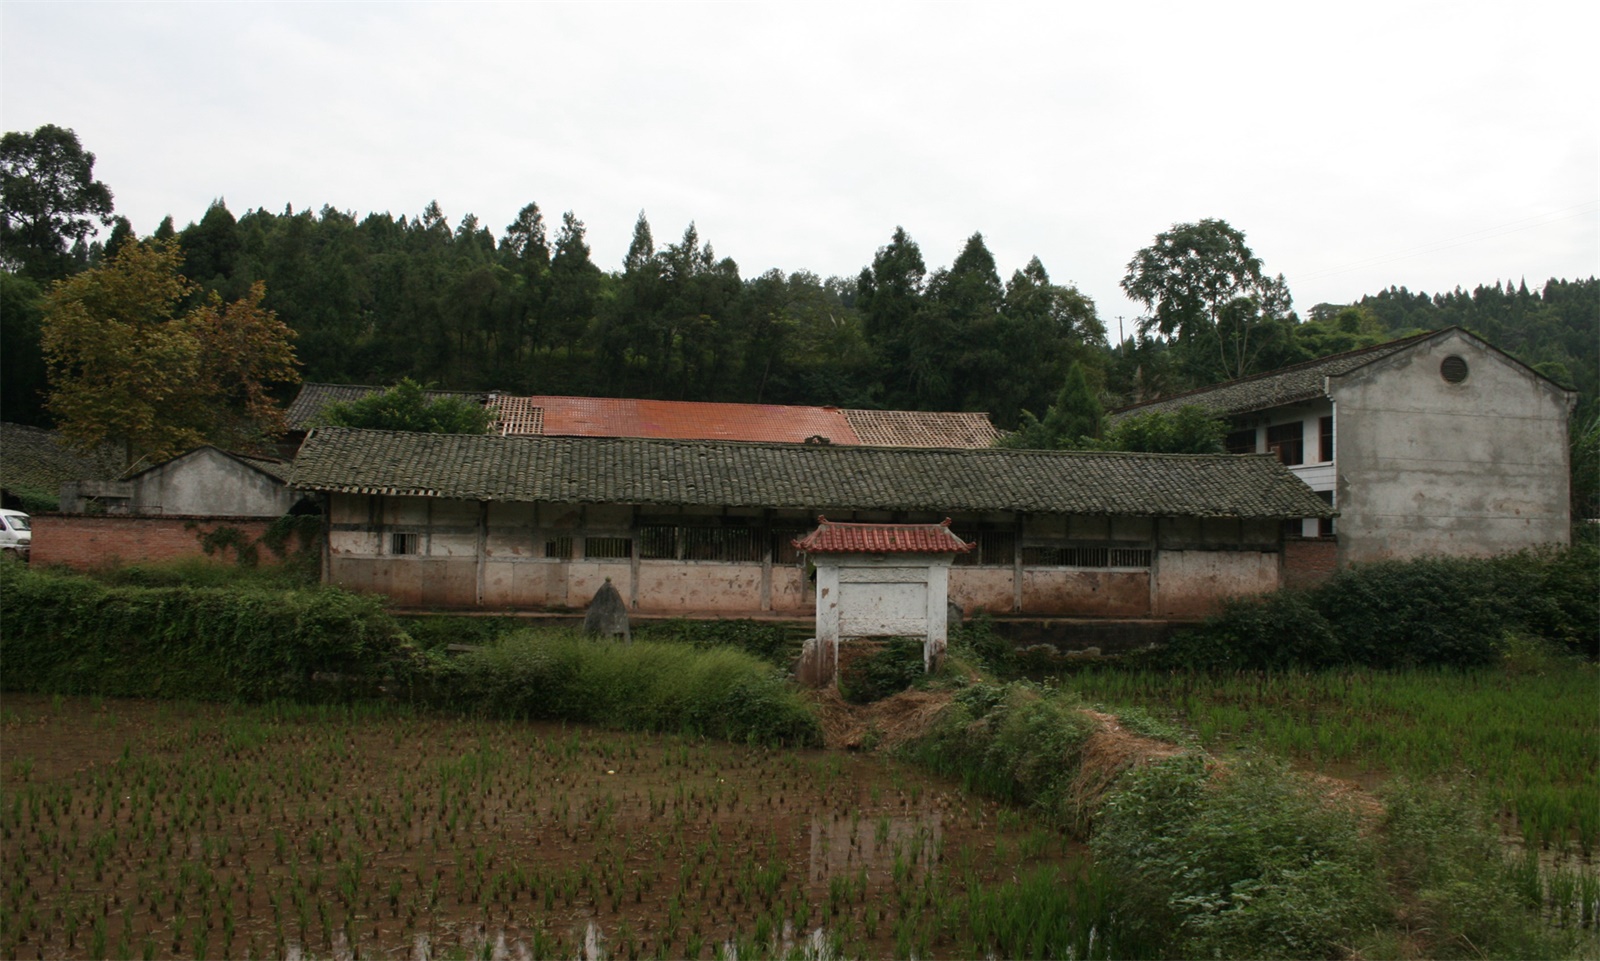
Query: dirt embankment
<point>1108,752</point>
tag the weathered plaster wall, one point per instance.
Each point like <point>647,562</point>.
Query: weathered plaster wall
<point>208,482</point>
<point>1194,583</point>
<point>682,587</point>
<point>1430,467</point>
<point>791,591</point>
<point>1086,593</point>
<point>533,556</point>
<point>991,589</point>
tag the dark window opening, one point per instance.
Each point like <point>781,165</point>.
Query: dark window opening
<point>783,549</point>
<point>1453,369</point>
<point>1240,442</point>
<point>560,547</point>
<point>1037,556</point>
<point>735,544</point>
<point>1288,442</point>
<point>993,548</point>
<point>1325,524</point>
<point>607,548</point>
<point>403,543</point>
<point>1325,451</point>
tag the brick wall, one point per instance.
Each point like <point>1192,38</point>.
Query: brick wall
<point>1307,563</point>
<point>86,541</point>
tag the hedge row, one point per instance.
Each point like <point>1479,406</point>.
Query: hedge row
<point>73,635</point>
<point>1457,612</point>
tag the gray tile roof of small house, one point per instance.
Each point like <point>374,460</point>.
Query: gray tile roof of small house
<point>1275,388</point>
<point>35,459</point>
<point>726,474</point>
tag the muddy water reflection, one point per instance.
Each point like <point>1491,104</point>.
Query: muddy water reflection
<point>881,845</point>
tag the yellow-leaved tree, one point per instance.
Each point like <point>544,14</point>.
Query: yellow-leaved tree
<point>134,360</point>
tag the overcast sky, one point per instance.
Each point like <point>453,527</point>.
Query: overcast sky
<point>1357,145</point>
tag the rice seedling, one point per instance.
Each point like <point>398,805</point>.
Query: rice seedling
<point>329,829</point>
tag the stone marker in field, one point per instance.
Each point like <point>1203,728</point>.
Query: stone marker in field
<point>608,615</point>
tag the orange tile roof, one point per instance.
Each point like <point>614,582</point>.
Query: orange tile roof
<point>844,538</point>
<point>686,420</point>
<point>551,416</point>
<point>922,428</point>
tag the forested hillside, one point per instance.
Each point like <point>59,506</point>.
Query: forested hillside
<point>375,298</point>
<point>378,298</point>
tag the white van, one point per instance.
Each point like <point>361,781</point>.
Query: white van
<point>16,534</point>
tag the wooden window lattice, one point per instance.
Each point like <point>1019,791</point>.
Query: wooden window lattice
<point>607,548</point>
<point>993,549</point>
<point>1085,556</point>
<point>736,545</point>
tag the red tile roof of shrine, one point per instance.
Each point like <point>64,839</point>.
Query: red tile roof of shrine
<point>838,538</point>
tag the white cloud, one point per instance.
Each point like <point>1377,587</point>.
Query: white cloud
<point>1358,146</point>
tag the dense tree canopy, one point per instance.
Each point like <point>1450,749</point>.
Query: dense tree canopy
<point>407,406</point>
<point>1205,287</point>
<point>1075,420</point>
<point>49,202</point>
<point>135,361</point>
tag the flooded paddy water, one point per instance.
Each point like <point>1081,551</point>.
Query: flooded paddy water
<point>147,829</point>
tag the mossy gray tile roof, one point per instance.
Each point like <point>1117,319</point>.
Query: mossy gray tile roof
<point>725,474</point>
<point>38,460</point>
<point>1275,388</point>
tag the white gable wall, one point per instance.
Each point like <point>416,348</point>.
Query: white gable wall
<point>1430,467</point>
<point>210,483</point>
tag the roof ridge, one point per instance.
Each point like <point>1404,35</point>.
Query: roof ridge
<point>1388,346</point>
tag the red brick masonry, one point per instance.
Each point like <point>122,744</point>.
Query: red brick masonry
<point>86,541</point>
<point>1307,563</point>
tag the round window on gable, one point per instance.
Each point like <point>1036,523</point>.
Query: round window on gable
<point>1454,369</point>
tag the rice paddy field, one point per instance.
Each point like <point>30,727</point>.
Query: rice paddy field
<point>142,829</point>
<point>1527,741</point>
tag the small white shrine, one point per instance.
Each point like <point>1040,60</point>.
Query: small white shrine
<point>878,581</point>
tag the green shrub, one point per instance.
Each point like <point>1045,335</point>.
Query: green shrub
<point>1015,741</point>
<point>1250,863</point>
<point>435,632</point>
<point>643,685</point>
<point>1274,631</point>
<point>896,665</point>
<point>74,635</point>
<point>778,644</point>
<point>1437,611</point>
<point>976,641</point>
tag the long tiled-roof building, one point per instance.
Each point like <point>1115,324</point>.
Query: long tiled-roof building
<point>554,416</point>
<point>709,527</point>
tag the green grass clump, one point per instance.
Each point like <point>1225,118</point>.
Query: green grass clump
<point>1460,896</point>
<point>1015,741</point>
<point>775,643</point>
<point>1247,863</point>
<point>643,685</point>
<point>1526,730</point>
